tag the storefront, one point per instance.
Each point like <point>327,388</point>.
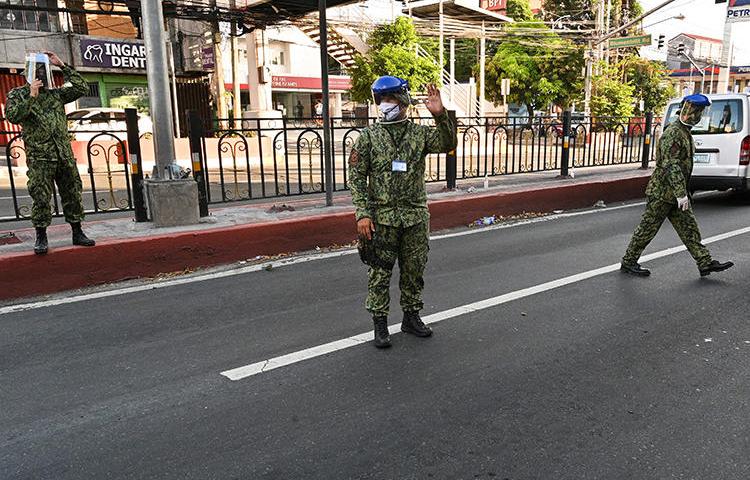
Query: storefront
<point>296,97</point>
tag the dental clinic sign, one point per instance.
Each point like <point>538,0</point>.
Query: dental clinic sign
<point>113,54</point>
<point>738,11</point>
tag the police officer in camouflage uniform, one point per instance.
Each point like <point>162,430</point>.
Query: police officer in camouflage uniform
<point>667,193</point>
<point>387,180</point>
<point>39,109</point>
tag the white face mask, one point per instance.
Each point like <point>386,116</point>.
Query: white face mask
<point>390,111</point>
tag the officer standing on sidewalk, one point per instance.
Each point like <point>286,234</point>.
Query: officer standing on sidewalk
<point>667,193</point>
<point>387,168</point>
<point>40,109</point>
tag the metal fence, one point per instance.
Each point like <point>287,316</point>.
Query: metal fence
<point>239,160</point>
<point>102,159</point>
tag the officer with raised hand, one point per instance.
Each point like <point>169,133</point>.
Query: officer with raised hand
<point>39,108</point>
<point>667,193</point>
<point>387,180</point>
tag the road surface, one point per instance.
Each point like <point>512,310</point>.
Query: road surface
<point>546,363</point>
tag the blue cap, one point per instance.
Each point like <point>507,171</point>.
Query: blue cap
<point>697,99</point>
<point>388,85</point>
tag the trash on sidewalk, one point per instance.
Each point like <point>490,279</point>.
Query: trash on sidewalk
<point>281,208</point>
<point>8,238</point>
<point>471,190</point>
<point>485,221</point>
<point>600,204</point>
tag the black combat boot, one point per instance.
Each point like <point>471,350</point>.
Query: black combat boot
<point>80,238</point>
<point>635,269</point>
<point>715,266</point>
<point>41,246</point>
<point>413,324</point>
<point>382,337</point>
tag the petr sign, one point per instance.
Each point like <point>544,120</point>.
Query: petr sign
<point>738,11</point>
<point>113,54</point>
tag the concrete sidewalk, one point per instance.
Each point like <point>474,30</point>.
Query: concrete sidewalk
<point>127,250</point>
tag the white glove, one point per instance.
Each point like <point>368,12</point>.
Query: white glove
<point>683,203</point>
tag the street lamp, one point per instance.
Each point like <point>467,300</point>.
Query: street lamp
<point>676,17</point>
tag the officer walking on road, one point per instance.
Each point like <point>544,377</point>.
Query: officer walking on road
<point>387,167</point>
<point>667,194</point>
<point>39,108</point>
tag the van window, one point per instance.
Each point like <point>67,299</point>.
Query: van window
<point>723,116</point>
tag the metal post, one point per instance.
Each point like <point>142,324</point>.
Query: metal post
<point>482,69</point>
<point>173,73</point>
<point>327,157</point>
<point>451,161</point>
<point>452,90</point>
<point>441,47</point>
<point>565,159</point>
<point>158,84</point>
<point>646,159</point>
<point>136,167</point>
<point>195,124</point>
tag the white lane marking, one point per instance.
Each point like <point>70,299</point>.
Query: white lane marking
<point>240,373</point>
<point>280,263</point>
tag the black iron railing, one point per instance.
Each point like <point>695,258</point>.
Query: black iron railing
<point>237,160</point>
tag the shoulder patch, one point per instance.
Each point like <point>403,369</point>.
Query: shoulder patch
<point>354,158</point>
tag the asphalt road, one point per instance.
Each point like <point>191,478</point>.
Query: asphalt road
<point>610,377</point>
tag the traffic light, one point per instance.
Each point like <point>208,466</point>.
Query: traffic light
<point>681,49</point>
<point>660,42</point>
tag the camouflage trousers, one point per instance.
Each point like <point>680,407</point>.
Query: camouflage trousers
<point>63,172</point>
<point>684,224</point>
<point>410,246</point>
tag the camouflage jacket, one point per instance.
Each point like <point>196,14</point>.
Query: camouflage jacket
<point>396,198</point>
<point>674,164</point>
<point>45,127</point>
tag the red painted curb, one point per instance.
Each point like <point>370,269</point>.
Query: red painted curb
<point>25,274</point>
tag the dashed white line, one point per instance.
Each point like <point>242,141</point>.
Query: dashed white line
<point>246,371</point>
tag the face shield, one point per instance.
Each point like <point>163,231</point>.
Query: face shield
<point>38,67</point>
<point>690,114</point>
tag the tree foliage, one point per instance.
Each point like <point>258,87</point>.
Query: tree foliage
<point>543,68</point>
<point>650,80</point>
<point>392,52</point>
<point>611,96</point>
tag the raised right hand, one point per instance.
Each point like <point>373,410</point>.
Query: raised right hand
<point>35,86</point>
<point>365,227</point>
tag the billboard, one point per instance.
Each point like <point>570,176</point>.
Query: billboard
<point>738,11</point>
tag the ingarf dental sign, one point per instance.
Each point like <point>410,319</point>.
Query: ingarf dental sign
<point>111,54</point>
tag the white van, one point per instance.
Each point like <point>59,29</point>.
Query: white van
<point>722,143</point>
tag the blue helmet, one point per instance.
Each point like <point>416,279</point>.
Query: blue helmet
<point>697,99</point>
<point>387,85</point>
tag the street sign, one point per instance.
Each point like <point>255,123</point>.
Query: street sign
<point>738,11</point>
<point>622,42</point>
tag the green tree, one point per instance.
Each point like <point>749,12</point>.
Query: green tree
<point>651,82</point>
<point>543,68</point>
<point>392,52</point>
<point>611,96</point>
<point>519,10</point>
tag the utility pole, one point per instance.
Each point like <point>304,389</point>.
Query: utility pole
<point>171,201</point>
<point>594,46</point>
<point>726,58</point>
<point>158,85</point>
<point>236,91</point>
<point>452,90</point>
<point>327,154</point>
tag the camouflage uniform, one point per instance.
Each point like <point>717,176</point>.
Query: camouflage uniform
<point>674,165</point>
<point>48,152</point>
<point>397,203</point>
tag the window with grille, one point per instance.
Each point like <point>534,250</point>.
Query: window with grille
<point>12,18</point>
